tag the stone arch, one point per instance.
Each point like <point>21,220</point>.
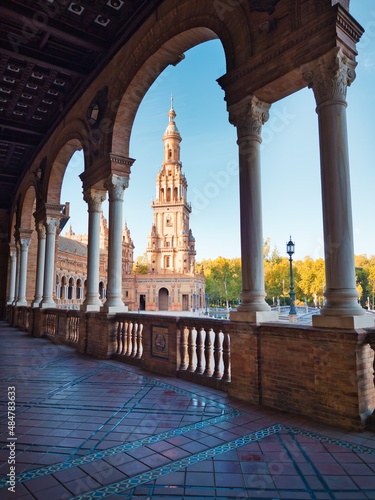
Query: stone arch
<point>171,35</point>
<point>75,136</point>
<point>55,176</point>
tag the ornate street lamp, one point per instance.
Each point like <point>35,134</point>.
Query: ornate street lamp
<point>290,251</point>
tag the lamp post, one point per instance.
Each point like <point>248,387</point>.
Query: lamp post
<point>290,251</point>
<point>206,301</point>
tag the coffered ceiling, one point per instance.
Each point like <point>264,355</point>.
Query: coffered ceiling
<point>50,50</point>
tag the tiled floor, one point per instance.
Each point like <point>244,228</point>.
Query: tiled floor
<point>88,429</point>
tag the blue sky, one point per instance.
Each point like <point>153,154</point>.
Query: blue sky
<point>291,194</point>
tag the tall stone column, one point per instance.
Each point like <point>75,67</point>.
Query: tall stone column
<point>248,116</point>
<point>17,284</point>
<point>116,185</point>
<point>12,275</point>
<point>329,78</point>
<point>41,230</point>
<point>24,242</point>
<point>51,225</point>
<point>94,198</point>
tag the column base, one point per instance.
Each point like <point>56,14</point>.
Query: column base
<point>21,303</point>
<point>114,309</point>
<point>47,305</point>
<point>254,316</point>
<point>345,322</point>
<point>90,307</point>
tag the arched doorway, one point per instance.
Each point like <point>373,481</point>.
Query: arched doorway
<point>163,299</point>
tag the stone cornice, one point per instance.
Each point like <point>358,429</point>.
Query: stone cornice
<point>335,28</point>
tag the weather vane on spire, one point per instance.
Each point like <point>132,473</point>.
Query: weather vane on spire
<point>171,101</point>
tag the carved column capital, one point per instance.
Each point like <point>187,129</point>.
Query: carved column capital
<point>51,224</point>
<point>94,199</point>
<point>116,185</point>
<point>24,244</point>
<point>329,77</point>
<point>248,115</point>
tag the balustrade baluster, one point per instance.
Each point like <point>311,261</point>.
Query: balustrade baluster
<point>134,340</point>
<point>118,337</point>
<point>192,349</point>
<point>124,334</point>
<point>201,335</point>
<point>140,342</point>
<point>218,354</point>
<point>208,353</point>
<point>129,339</point>
<point>184,348</point>
<point>226,358</point>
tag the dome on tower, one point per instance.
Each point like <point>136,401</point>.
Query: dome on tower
<point>171,128</point>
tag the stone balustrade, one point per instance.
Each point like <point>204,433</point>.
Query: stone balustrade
<point>326,374</point>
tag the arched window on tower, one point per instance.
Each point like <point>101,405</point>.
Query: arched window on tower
<point>169,154</point>
<point>168,194</point>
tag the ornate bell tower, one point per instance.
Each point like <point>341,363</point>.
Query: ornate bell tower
<point>171,245</point>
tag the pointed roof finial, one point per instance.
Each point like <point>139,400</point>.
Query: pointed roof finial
<point>172,113</point>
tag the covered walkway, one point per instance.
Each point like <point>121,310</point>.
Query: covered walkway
<point>89,429</point>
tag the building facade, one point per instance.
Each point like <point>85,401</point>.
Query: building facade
<point>171,282</point>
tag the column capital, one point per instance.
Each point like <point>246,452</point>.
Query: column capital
<point>116,185</point>
<point>329,77</point>
<point>94,198</point>
<point>51,224</point>
<point>248,115</point>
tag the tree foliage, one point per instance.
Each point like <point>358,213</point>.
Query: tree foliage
<point>224,280</point>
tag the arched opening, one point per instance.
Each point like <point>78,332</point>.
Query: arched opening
<point>102,293</point>
<point>163,299</point>
<point>71,289</point>
<point>63,295</point>
<point>79,289</point>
